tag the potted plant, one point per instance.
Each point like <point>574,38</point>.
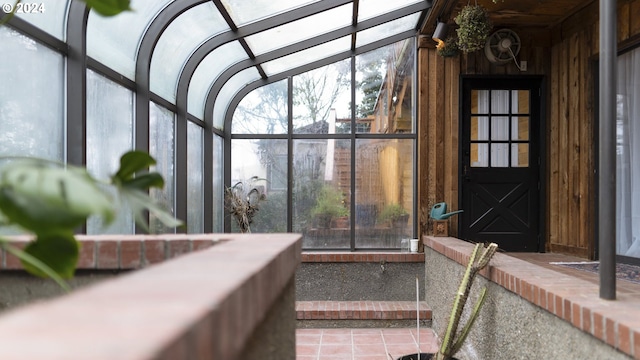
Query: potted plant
<point>453,339</point>
<point>449,47</point>
<point>243,202</point>
<point>474,26</point>
<point>394,214</point>
<point>329,206</point>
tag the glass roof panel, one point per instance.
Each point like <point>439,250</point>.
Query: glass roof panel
<point>299,30</point>
<point>235,84</point>
<point>387,29</point>
<point>207,73</point>
<point>307,56</point>
<point>243,12</point>
<point>178,41</point>
<point>114,40</point>
<point>48,15</point>
<point>371,8</point>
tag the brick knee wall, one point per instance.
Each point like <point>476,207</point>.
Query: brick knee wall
<point>206,304</point>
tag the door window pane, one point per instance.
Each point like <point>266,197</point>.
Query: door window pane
<point>479,128</point>
<point>519,155</point>
<point>520,105</point>
<point>499,101</point>
<point>499,155</point>
<point>499,128</point>
<point>479,101</point>
<point>479,155</point>
<point>520,128</point>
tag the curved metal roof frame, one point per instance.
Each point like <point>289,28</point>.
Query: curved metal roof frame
<point>305,44</point>
<point>175,9</point>
<point>172,11</point>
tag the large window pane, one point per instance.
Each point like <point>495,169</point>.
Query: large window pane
<point>321,100</point>
<point>384,92</point>
<point>218,184</point>
<point>628,155</point>
<point>114,40</point>
<point>262,159</point>
<point>262,111</point>
<point>161,147</point>
<point>384,192</point>
<point>195,184</point>
<point>322,192</point>
<point>109,135</point>
<point>31,98</point>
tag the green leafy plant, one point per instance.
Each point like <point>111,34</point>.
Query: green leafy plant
<point>50,200</point>
<point>449,47</point>
<point>330,204</point>
<point>243,202</point>
<point>392,213</point>
<point>474,26</point>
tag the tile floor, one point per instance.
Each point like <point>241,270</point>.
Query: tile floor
<point>355,344</point>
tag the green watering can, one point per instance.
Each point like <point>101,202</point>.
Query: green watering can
<point>439,211</point>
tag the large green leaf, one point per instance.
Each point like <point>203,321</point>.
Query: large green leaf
<point>140,202</point>
<point>132,162</point>
<point>108,7</point>
<point>59,251</point>
<point>34,262</point>
<point>145,181</point>
<point>42,198</point>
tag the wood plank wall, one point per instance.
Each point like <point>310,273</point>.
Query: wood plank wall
<point>572,126</point>
<point>566,55</point>
<point>438,133</point>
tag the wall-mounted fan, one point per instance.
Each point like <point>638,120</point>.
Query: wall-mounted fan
<point>502,46</point>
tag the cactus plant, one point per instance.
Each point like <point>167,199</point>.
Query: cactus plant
<point>452,341</point>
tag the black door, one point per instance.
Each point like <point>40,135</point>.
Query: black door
<point>500,164</point>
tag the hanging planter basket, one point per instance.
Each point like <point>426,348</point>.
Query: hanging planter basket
<point>474,27</point>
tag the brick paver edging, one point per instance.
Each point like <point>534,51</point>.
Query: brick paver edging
<point>577,301</point>
<point>202,305</point>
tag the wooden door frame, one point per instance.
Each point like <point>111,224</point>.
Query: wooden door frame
<point>542,147</point>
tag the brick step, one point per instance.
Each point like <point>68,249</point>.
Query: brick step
<point>323,313</point>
